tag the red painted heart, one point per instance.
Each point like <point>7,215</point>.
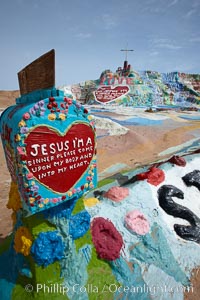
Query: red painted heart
<point>107,94</point>
<point>59,160</point>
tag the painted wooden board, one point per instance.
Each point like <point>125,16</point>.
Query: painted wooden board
<point>40,74</point>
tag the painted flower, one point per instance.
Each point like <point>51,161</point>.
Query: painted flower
<point>91,185</point>
<point>69,193</point>
<point>117,193</point>
<point>78,190</point>
<point>31,200</point>
<point>78,105</point>
<point>32,111</point>
<point>47,248</point>
<point>90,117</point>
<point>106,238</point>
<point>24,130</point>
<point>62,116</point>
<point>136,221</point>
<point>29,176</point>
<point>46,201</point>
<point>41,103</point>
<point>55,200</point>
<point>34,188</point>
<point>51,117</point>
<point>22,241</point>
<point>17,138</point>
<point>21,150</point>
<point>26,116</point>
<point>92,123</point>
<point>68,100</point>
<point>36,106</point>
<point>22,123</point>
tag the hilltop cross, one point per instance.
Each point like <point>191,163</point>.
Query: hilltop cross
<point>126,50</point>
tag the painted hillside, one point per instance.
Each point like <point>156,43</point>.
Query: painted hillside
<point>127,87</point>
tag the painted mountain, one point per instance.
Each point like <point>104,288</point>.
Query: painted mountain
<point>145,88</point>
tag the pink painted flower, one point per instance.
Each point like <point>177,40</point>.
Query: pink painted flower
<point>137,222</point>
<point>26,116</point>
<point>117,193</point>
<point>21,150</point>
<point>29,176</point>
<point>68,100</point>
<point>74,191</point>
<point>55,200</point>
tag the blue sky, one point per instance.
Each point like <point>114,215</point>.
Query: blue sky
<point>87,36</point>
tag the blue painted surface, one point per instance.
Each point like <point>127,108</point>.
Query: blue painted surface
<point>140,121</point>
<point>190,117</point>
<point>47,248</point>
<point>154,249</point>
<point>63,210</point>
<point>131,279</point>
<point>38,113</point>
<point>133,121</point>
<point>79,224</point>
<point>11,264</point>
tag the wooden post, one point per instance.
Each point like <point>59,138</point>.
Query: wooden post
<point>40,74</point>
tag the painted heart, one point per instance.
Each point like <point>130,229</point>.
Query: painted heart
<point>107,94</point>
<point>58,160</point>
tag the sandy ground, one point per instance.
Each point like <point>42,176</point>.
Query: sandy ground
<point>139,146</point>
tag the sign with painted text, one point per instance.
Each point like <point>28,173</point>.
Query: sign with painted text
<point>107,94</point>
<point>58,160</point>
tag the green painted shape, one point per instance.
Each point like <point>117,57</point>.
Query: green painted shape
<point>48,276</point>
<point>51,284</point>
<point>79,206</point>
<point>37,224</point>
<point>104,181</point>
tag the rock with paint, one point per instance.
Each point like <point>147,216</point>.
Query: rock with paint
<point>154,229</point>
<point>128,87</point>
<point>50,149</point>
<point>134,237</point>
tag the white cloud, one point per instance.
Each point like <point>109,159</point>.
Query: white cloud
<point>174,2</point>
<point>164,43</point>
<point>195,39</point>
<point>169,46</point>
<point>154,53</point>
<point>190,13</point>
<point>83,35</point>
<point>108,21</point>
<point>195,5</point>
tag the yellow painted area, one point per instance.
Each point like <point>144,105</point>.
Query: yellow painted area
<point>22,123</point>
<point>51,117</point>
<point>90,202</point>
<point>14,201</point>
<point>23,241</point>
<point>62,116</point>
